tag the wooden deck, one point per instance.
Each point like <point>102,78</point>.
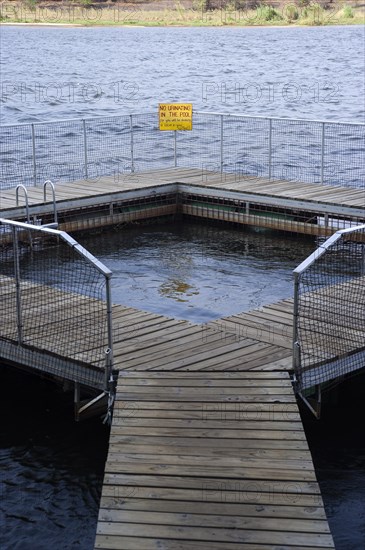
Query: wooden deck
<point>63,336</point>
<point>213,461</point>
<point>93,203</point>
<point>207,449</point>
<point>261,339</point>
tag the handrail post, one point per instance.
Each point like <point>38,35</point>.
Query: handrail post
<point>175,148</point>
<point>21,186</point>
<point>85,148</point>
<point>110,352</point>
<point>132,143</point>
<point>295,323</point>
<point>222,150</point>
<point>19,320</point>
<point>34,156</point>
<point>322,152</point>
<point>270,147</point>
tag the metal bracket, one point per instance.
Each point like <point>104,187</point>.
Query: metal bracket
<point>314,404</point>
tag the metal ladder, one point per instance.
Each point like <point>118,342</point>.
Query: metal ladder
<point>24,189</point>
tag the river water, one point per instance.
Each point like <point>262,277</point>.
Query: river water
<point>51,467</point>
<point>56,73</point>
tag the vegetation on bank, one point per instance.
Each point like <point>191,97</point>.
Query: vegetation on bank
<point>174,13</point>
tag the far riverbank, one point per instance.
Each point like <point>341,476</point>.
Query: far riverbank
<point>170,13</point>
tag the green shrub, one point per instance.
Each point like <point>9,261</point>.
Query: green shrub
<point>268,13</point>
<point>348,12</point>
<point>291,12</point>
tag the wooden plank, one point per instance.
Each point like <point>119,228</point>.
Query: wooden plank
<point>251,489</point>
<point>175,474</point>
<point>228,509</point>
<point>211,520</point>
<point>213,534</point>
<point>247,441</point>
<point>108,542</point>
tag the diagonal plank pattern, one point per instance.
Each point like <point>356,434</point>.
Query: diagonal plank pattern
<point>257,340</point>
<point>209,460</point>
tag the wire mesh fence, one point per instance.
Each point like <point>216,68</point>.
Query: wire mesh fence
<point>296,150</point>
<point>54,300</point>
<point>329,309</point>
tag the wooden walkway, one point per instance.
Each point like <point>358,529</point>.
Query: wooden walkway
<point>207,449</point>
<point>213,461</point>
<point>103,185</point>
<point>93,203</point>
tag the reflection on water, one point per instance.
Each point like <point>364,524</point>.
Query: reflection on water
<point>177,290</point>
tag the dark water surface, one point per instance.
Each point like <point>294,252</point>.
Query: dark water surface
<point>51,467</point>
<point>337,443</point>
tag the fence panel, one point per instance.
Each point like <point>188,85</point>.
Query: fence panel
<point>344,153</point>
<point>329,309</point>
<point>107,143</point>
<point>201,147</point>
<point>59,151</point>
<point>152,148</point>
<point>247,146</point>
<point>294,150</point>
<point>54,298</point>
<point>16,156</point>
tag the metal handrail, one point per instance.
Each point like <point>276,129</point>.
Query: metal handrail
<point>90,258</point>
<point>298,272</point>
<point>21,186</point>
<point>48,182</point>
<point>216,113</point>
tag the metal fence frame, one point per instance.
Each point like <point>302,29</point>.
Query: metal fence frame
<point>211,137</point>
<point>14,227</point>
<point>299,369</point>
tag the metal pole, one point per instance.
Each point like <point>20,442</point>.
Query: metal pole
<point>296,345</point>
<point>77,395</point>
<point>110,354</point>
<point>322,153</point>
<point>17,286</point>
<point>132,143</point>
<point>33,155</point>
<point>222,152</point>
<point>270,147</point>
<point>48,182</point>
<point>175,148</point>
<point>85,148</point>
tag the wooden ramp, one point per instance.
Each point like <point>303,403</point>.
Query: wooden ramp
<point>213,461</point>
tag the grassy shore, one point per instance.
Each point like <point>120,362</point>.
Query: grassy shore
<point>136,14</point>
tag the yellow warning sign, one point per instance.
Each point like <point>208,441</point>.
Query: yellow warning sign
<point>176,116</point>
